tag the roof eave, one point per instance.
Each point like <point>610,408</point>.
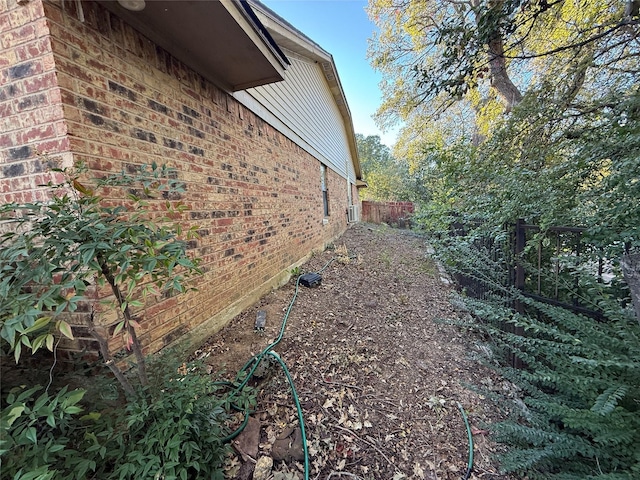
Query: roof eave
<point>221,40</point>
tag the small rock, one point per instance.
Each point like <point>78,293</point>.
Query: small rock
<point>245,472</point>
<point>286,433</point>
<point>263,468</point>
<point>289,448</point>
<point>247,442</point>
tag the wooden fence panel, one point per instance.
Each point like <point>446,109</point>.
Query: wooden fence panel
<point>397,214</point>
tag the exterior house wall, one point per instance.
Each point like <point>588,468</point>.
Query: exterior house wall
<point>314,120</point>
<point>31,117</point>
<point>117,100</point>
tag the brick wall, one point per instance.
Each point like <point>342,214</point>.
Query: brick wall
<point>31,120</point>
<point>253,194</point>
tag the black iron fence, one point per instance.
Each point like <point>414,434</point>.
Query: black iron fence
<point>547,266</point>
<point>543,265</point>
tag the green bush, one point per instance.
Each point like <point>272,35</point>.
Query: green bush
<point>39,435</point>
<point>175,431</point>
<point>577,410</point>
<point>175,428</point>
<point>55,253</point>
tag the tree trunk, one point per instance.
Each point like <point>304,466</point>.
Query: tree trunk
<point>500,79</point>
<point>108,360</point>
<point>135,345</point>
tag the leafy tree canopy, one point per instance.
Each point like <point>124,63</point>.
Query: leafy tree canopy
<point>387,178</point>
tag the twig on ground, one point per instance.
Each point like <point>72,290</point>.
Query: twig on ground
<point>346,474</point>
<point>351,432</point>
<point>342,385</point>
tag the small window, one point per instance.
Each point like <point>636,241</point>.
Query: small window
<point>325,191</point>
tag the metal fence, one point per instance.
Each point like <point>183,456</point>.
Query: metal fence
<point>543,265</point>
<point>547,264</point>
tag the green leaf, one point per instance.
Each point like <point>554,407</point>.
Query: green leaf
<point>65,329</point>
<point>17,351</point>
<point>607,400</point>
<point>118,328</point>
<point>37,343</point>
<point>49,342</point>
<point>38,324</point>
<point>74,396</point>
<point>51,420</point>
<point>32,435</point>
<point>40,402</point>
<point>91,416</point>
<point>25,341</point>
<point>11,416</point>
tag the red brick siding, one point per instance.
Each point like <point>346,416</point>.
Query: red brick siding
<point>254,195</point>
<point>31,120</point>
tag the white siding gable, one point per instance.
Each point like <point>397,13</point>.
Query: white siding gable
<point>303,108</point>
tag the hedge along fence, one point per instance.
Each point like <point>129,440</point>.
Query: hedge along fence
<point>393,213</point>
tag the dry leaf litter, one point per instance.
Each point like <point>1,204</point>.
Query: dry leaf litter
<point>378,377</point>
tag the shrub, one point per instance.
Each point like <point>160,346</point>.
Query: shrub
<point>175,428</point>
<point>57,252</point>
<point>39,435</point>
<point>53,256</point>
<point>175,431</point>
<point>577,414</point>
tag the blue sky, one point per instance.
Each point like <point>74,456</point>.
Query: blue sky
<point>342,28</point>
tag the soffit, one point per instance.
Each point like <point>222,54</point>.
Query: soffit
<point>217,38</point>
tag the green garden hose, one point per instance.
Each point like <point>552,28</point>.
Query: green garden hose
<point>466,423</point>
<point>250,368</point>
<point>253,363</point>
<point>296,400</point>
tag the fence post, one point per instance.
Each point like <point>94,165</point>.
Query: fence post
<point>521,240</point>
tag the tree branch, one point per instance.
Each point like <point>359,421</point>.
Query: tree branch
<point>573,45</point>
<point>128,318</point>
<point>106,356</point>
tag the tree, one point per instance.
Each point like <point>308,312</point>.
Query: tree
<point>58,254</point>
<point>387,179</point>
<point>530,80</point>
<point>435,53</point>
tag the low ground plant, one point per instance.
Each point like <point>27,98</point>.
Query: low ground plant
<point>119,232</point>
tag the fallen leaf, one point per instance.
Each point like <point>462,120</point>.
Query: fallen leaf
<point>478,431</point>
<point>328,403</point>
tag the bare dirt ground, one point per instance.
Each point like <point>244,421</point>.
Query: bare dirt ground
<point>378,377</point>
